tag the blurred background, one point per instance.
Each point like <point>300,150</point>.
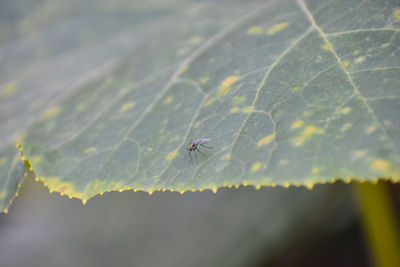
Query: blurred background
<point>235,227</point>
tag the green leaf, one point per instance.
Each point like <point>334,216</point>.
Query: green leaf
<point>289,92</point>
<point>11,175</point>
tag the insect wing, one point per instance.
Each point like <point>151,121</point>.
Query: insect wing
<point>202,141</point>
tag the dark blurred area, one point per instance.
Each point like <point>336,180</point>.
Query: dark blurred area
<point>235,227</point>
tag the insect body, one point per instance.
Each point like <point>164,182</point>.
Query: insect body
<point>194,146</point>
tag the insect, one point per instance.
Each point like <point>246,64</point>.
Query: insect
<point>194,146</point>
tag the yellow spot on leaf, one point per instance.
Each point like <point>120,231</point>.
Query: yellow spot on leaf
<point>80,107</point>
<point>2,160</point>
<point>9,88</point>
<point>311,129</point>
<point>204,80</point>
<point>316,170</point>
<point>385,45</point>
<point>226,85</point>
<point>247,109</point>
<point>266,140</point>
<point>327,46</point>
<point>51,113</point>
<point>346,127</point>
<point>234,109</point>
<point>295,89</point>
<point>283,162</point>
<point>127,106</point>
<point>277,28</point>
<point>27,164</point>
<point>209,101</point>
<point>308,131</point>
<point>196,40</point>
<point>356,52</point>
<point>360,154</point>
<point>371,129</point>
<point>168,100</point>
<point>239,99</point>
<point>255,166</point>
<point>359,60</point>
<point>345,64</point>
<point>183,69</point>
<point>345,111</point>
<point>54,184</point>
<point>227,156</point>
<point>116,184</point>
<point>255,30</point>
<point>381,165</point>
<point>172,155</point>
<point>297,124</point>
<point>36,160</point>
<point>90,150</point>
<point>3,194</point>
<point>396,14</point>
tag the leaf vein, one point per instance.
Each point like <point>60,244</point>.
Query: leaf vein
<point>350,79</point>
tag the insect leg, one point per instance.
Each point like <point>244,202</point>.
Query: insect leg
<point>206,146</point>
<point>200,151</point>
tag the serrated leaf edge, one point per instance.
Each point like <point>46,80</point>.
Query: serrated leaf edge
<point>55,185</point>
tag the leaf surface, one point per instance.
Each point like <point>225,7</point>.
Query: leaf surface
<point>290,92</point>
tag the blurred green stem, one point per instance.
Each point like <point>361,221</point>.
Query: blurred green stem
<point>380,224</point>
